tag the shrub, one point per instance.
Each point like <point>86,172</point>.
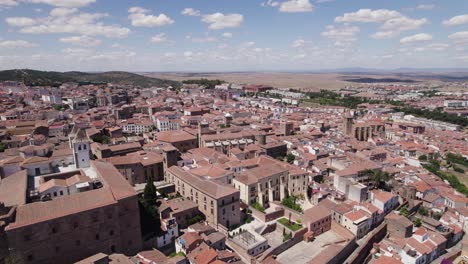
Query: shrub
<point>258,206</point>
<point>290,202</point>
<point>417,222</point>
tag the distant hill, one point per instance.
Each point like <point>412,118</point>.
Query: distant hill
<point>377,80</point>
<point>50,78</point>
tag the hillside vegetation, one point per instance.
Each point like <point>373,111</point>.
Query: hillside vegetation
<point>50,78</point>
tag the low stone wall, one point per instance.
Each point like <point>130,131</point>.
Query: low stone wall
<point>268,228</point>
<point>295,216</point>
<point>297,237</point>
<point>361,253</point>
<point>267,217</point>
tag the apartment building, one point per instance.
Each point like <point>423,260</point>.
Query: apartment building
<point>264,179</point>
<point>167,124</point>
<point>217,201</point>
<point>180,139</point>
<point>136,126</point>
<point>138,166</point>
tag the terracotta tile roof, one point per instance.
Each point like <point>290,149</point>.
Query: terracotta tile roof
<point>385,260</point>
<point>418,246</point>
<point>144,158</point>
<point>75,179</point>
<point>246,178</point>
<point>266,171</point>
<point>62,152</point>
<point>35,159</point>
<point>13,189</point>
<point>316,213</point>
<point>210,171</point>
<point>120,147</point>
<point>175,136</point>
<point>357,167</point>
<point>382,195</point>
<point>456,198</point>
<point>357,216</point>
<point>340,208</point>
<point>205,256</point>
<point>190,238</point>
<point>11,160</point>
<point>211,188</point>
<point>178,205</point>
<point>37,212</point>
<point>119,187</point>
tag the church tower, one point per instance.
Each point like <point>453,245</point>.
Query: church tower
<point>81,149</point>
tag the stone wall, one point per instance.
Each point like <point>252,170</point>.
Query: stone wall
<point>267,217</point>
<point>297,237</point>
<point>361,253</point>
<point>295,216</point>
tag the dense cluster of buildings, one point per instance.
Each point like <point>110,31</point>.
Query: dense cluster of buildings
<point>238,179</point>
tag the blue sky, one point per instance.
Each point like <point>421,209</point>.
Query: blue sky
<point>232,35</point>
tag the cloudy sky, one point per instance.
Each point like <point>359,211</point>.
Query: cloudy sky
<point>232,35</point>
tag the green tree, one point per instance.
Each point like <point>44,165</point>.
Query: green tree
<point>290,158</point>
<point>258,206</point>
<point>417,222</point>
<point>378,176</point>
<point>2,147</point>
<point>423,157</point>
<point>149,193</point>
<point>404,211</point>
<point>291,202</point>
<point>423,211</point>
<point>103,139</point>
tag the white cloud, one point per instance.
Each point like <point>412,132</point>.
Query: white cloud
<point>247,44</point>
<point>62,11</point>
<point>324,1</point>
<point>20,21</point>
<point>393,22</point>
<point>433,47</point>
<point>140,18</point>
<point>456,20</point>
<point>220,20</point>
<point>403,24</point>
<point>459,37</point>
<point>201,40</point>
<point>227,34</point>
<point>462,58</point>
<point>159,38</point>
<point>64,3</point>
<point>8,3</point>
<point>342,35</point>
<point>83,41</point>
<point>368,16</point>
<point>76,23</point>
<point>89,55</point>
<point>270,3</point>
<point>416,38</point>
<point>426,7</point>
<point>385,34</point>
<point>298,43</point>
<point>300,56</point>
<point>295,6</point>
<point>190,12</point>
<point>12,44</point>
<point>169,54</point>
